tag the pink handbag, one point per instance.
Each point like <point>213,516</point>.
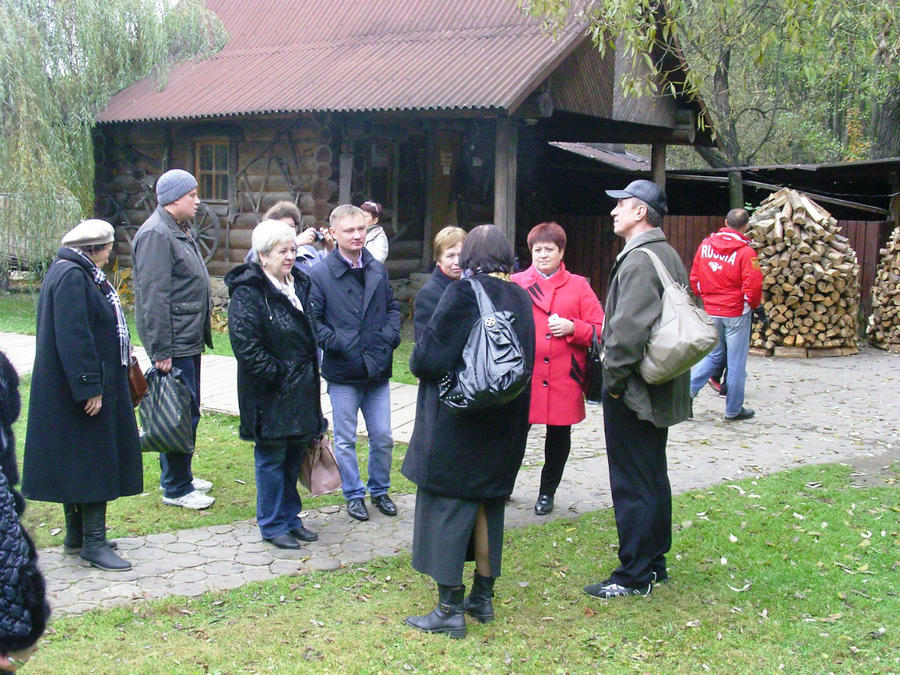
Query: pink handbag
<point>319,471</point>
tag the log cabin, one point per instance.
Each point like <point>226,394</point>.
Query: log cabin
<point>438,109</point>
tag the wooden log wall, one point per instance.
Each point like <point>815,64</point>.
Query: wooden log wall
<point>277,159</point>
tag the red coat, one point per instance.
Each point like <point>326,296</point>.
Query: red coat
<point>557,397</point>
<point>725,274</point>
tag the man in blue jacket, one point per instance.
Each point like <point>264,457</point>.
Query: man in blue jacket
<point>358,327</point>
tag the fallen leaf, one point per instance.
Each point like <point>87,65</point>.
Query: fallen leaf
<point>693,624</point>
<point>741,589</point>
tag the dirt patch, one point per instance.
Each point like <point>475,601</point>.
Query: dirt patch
<point>876,471</point>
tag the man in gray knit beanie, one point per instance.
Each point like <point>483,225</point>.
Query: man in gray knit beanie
<point>172,307</point>
<point>173,185</point>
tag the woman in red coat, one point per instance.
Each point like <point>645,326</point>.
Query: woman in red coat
<point>566,311</point>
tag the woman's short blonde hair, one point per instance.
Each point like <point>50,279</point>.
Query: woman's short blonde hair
<point>448,237</point>
<point>268,234</point>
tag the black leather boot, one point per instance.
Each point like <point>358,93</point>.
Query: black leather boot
<point>74,539</point>
<point>72,542</point>
<point>94,548</point>
<point>478,605</point>
<point>448,617</point>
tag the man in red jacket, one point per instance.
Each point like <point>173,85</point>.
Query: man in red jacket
<point>726,275</point>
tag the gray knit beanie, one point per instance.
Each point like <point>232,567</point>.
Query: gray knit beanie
<point>173,185</point>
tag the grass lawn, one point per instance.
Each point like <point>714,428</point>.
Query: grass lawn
<point>795,572</point>
<point>221,457</point>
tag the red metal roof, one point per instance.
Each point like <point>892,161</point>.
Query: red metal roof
<point>356,55</point>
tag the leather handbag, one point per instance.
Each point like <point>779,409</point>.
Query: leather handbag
<point>492,369</point>
<point>681,336</point>
<point>319,471</point>
<point>593,370</point>
<point>137,383</point>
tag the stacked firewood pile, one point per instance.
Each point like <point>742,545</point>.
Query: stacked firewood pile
<point>810,279</point>
<point>884,323</point>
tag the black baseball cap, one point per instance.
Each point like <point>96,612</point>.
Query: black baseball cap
<point>647,191</point>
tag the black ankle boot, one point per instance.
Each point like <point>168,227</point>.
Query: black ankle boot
<point>448,617</point>
<point>94,548</point>
<point>478,605</point>
<point>73,541</point>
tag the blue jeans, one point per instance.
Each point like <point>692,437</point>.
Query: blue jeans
<point>374,399</point>
<point>734,344</point>
<point>175,467</point>
<point>277,463</point>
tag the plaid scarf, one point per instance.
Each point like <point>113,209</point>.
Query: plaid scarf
<point>107,289</point>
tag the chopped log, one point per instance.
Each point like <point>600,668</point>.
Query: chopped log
<point>883,329</point>
<point>810,277</point>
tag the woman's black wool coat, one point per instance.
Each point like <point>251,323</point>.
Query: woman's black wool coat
<point>70,457</point>
<point>278,366</point>
<point>467,455</point>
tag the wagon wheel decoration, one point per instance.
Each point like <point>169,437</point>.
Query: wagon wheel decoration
<point>205,229</point>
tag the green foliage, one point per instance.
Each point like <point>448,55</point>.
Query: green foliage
<point>780,79</point>
<point>60,62</point>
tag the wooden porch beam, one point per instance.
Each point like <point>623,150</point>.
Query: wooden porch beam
<point>505,165</point>
<point>658,164</point>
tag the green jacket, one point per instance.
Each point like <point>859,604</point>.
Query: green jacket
<point>632,306</point>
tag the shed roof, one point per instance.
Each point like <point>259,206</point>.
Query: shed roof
<point>285,56</point>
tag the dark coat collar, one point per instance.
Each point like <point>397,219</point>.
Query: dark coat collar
<point>251,274</point>
<point>66,253</point>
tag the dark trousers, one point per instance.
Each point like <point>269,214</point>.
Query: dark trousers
<point>175,467</point>
<point>642,497</point>
<point>557,445</point>
<point>277,464</point>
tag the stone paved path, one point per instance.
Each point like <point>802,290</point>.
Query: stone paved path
<point>808,411</point>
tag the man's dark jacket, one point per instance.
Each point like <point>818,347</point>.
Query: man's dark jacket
<point>275,347</point>
<point>357,321</point>
<point>172,304</point>
<point>633,303</point>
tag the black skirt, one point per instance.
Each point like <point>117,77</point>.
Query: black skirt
<point>442,535</point>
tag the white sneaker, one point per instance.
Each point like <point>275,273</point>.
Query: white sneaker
<point>192,500</point>
<point>201,485</point>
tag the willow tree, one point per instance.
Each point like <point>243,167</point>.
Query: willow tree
<point>785,75</point>
<point>60,62</point>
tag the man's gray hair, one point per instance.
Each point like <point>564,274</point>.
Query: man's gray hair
<point>653,217</point>
<point>267,235</point>
<point>343,211</point>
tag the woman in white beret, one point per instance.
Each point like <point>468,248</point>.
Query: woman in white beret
<point>82,447</point>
